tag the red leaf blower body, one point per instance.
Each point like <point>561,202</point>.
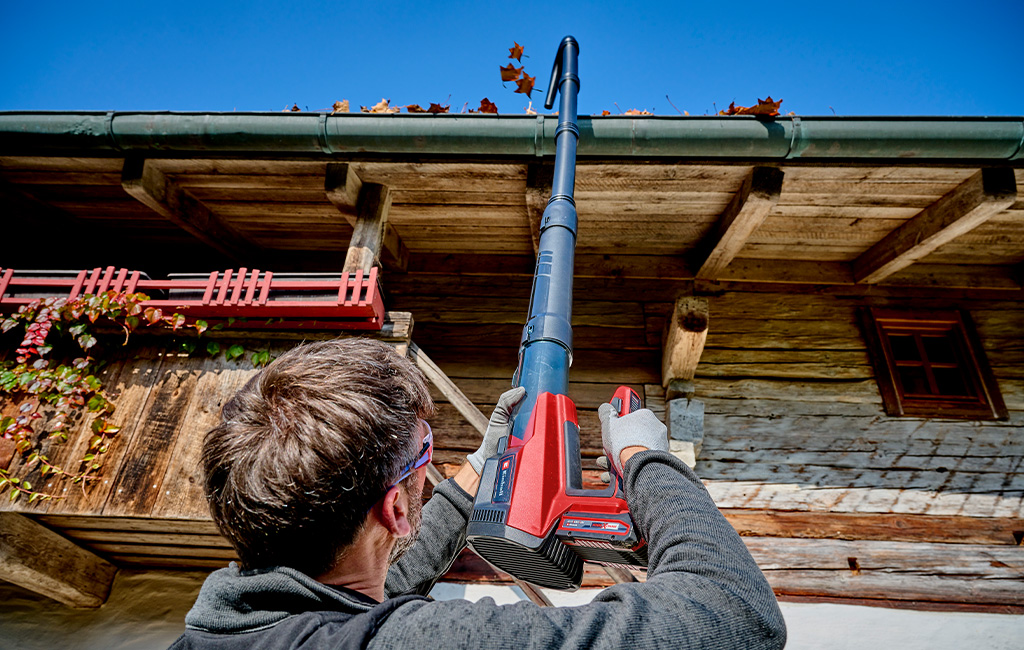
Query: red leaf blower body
<point>532,518</point>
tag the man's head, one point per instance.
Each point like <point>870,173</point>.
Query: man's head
<point>308,446</point>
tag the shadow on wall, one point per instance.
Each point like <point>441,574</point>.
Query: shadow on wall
<point>145,610</point>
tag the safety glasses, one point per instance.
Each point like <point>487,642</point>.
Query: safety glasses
<point>426,454</point>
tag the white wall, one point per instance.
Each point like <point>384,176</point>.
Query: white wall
<point>147,610</point>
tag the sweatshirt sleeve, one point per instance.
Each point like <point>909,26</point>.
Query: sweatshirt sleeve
<point>442,536</point>
<point>703,589</point>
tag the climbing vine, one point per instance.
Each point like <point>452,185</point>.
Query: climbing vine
<point>53,389</point>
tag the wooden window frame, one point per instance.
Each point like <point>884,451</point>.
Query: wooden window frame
<point>985,401</point>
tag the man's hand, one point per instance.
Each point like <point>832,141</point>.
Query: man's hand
<point>496,428</point>
<point>624,436</point>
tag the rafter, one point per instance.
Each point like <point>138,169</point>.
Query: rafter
<point>982,196</point>
<point>748,209</point>
<point>142,179</point>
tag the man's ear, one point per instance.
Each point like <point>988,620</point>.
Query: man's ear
<point>395,512</point>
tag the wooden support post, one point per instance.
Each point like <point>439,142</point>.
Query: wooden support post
<point>36,558</point>
<point>748,209</point>
<point>982,196</point>
<point>342,185</point>
<point>343,188</point>
<point>142,179</point>
<point>539,177</point>
<point>684,341</point>
<point>368,236</point>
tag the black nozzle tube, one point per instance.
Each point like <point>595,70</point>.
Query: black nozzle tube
<point>545,352</point>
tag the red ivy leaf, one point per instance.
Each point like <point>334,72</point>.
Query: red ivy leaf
<point>152,315</point>
<point>516,52</point>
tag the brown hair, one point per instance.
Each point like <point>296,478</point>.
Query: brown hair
<point>307,447</point>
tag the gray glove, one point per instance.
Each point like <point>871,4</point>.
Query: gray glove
<point>640,428</point>
<point>496,428</point>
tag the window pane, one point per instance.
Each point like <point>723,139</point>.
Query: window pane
<point>904,348</point>
<point>940,348</point>
<point>914,381</point>
<point>950,382</point>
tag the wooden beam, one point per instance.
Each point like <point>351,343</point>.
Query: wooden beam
<point>462,404</point>
<point>539,177</point>
<point>368,236</point>
<point>748,209</point>
<point>684,341</point>
<point>982,196</point>
<point>36,558</point>
<point>142,179</point>
<point>342,186</point>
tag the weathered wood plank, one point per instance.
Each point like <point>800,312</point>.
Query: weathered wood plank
<point>879,527</point>
<point>181,488</point>
<point>40,560</point>
<point>138,482</point>
<point>684,340</point>
<point>342,186</point>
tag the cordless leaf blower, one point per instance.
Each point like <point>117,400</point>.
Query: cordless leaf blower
<point>532,518</point>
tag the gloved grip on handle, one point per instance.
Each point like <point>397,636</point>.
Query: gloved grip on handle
<point>640,428</point>
<point>497,427</point>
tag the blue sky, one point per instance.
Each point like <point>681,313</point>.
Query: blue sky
<point>866,58</point>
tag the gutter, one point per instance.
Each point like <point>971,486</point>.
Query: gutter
<point>835,139</point>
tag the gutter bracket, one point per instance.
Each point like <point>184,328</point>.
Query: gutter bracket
<point>797,132</point>
<point>1020,148</point>
<point>108,122</point>
<point>321,135</point>
<point>538,137</point>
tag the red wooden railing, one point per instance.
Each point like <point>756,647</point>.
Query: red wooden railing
<point>348,301</point>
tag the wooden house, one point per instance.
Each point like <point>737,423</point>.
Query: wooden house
<point>827,311</point>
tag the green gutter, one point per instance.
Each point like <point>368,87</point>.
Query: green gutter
<point>704,138</point>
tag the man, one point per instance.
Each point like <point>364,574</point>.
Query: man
<point>315,475</point>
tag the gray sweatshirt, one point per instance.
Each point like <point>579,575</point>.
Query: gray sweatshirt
<point>703,589</point>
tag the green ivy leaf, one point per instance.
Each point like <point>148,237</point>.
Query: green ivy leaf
<point>213,348</point>
<point>26,485</point>
<point>260,359</point>
<point>188,346</point>
<point>34,497</point>
<point>201,326</point>
<point>231,321</point>
<point>77,330</point>
<point>15,493</point>
<point>86,341</point>
<point>234,352</point>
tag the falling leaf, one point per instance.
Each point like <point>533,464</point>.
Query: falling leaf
<point>341,107</point>
<point>415,108</point>
<point>486,106</point>
<point>510,72</point>
<point>525,85</point>
<point>437,108</point>
<point>515,52</point>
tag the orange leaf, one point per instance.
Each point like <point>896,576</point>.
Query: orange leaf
<point>606,112</point>
<point>510,72</point>
<point>636,111</point>
<point>486,106</point>
<point>525,85</point>
<point>381,107</point>
<point>415,108</point>
<point>341,107</point>
<point>437,108</point>
<point>516,52</point>
<point>763,107</point>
